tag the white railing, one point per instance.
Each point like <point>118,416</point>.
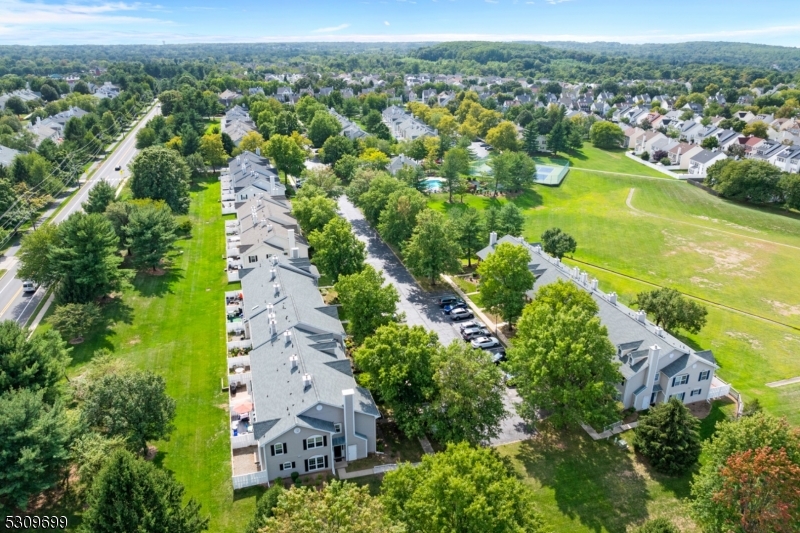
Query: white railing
<point>239,360</point>
<point>718,389</point>
<point>233,275</point>
<point>239,378</point>
<point>232,251</point>
<point>250,480</point>
<point>247,343</point>
<point>243,441</point>
<point>235,326</point>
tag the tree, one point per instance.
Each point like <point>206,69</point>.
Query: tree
<point>286,155</point>
<point>513,170</point>
<point>286,123</point>
<point>17,105</point>
<point>606,135</point>
<point>151,232</point>
<point>432,248</point>
<point>461,489</point>
<point>414,177</point>
<point>503,137</point>
<point>399,218</point>
<point>671,310</point>
<point>34,258</point>
<point>81,88</point>
<point>790,188</point>
<point>757,128</point>
<point>168,100</point>
<point>213,151</point>
<point>557,243</point>
<point>131,404</point>
<point>265,508</point>
<point>374,200</point>
<point>340,507</point>
<point>84,259</point>
<point>313,213</point>
<point>33,439</point>
<point>469,231</point>
<point>557,139</point>
<point>322,127</point>
<point>145,138</point>
<point>324,180</point>
<point>337,251</point>
<point>374,158</point>
<point>710,142</point>
<point>510,220</point>
<point>74,320</point>
<point>563,359</point>
<point>134,496</point>
<point>161,174</point>
<point>735,437</point>
<point>749,180</point>
<point>396,364</point>
<point>468,405</point>
<point>504,280</point>
<point>345,168</point>
<point>334,148</point>
<point>37,363</point>
<point>227,143</point>
<point>667,436</point>
<point>100,196</point>
<point>657,525</point>
<point>251,141</point>
<point>760,492</point>
<point>366,303</point>
<point>455,164</point>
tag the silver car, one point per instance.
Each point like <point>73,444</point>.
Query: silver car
<point>485,342</point>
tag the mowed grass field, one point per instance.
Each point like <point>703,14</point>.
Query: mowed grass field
<point>173,325</point>
<point>638,223</point>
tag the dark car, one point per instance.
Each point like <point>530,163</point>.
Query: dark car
<point>460,304</point>
<point>447,300</point>
<point>498,355</point>
<point>456,315</point>
<point>118,168</point>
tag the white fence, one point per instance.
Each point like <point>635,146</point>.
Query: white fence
<point>250,480</point>
<point>718,389</point>
<point>243,441</point>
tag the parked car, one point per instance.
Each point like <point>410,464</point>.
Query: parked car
<point>448,299</point>
<point>485,342</point>
<point>472,333</point>
<point>459,314</point>
<point>470,324</point>
<point>498,355</point>
<point>29,286</point>
<point>460,304</point>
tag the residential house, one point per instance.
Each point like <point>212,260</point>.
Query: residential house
<point>399,162</point>
<point>107,90</point>
<point>788,160</point>
<point>404,126</point>
<point>227,97</point>
<point>681,153</point>
<point>237,123</point>
<point>26,95</point>
<point>700,162</point>
<point>632,136</point>
<point>644,143</point>
<point>7,155</point>
<point>252,91</point>
<point>655,366</point>
<point>350,129</point>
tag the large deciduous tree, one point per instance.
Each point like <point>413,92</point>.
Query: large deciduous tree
<point>366,303</point>
<point>313,213</point>
<point>159,173</point>
<point>606,135</point>
<point>399,218</point>
<point>134,496</point>
<point>334,148</point>
<point>340,507</point>
<point>454,166</point>
<point>468,405</point>
<point>213,151</point>
<point>432,249</point>
<point>33,446</point>
<point>504,280</point>
<point>671,310</point>
<point>667,436</point>
<point>748,180</point>
<point>131,404</point>
<point>151,233</point>
<point>503,137</point>
<point>396,364</point>
<point>461,489</point>
<point>337,251</point>
<point>100,196</point>
<point>510,220</point>
<point>323,126</point>
<point>323,179</point>
<point>557,243</point>
<point>563,359</point>
<point>373,201</point>
<point>286,155</point>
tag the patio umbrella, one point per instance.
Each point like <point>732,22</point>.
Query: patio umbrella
<point>243,408</point>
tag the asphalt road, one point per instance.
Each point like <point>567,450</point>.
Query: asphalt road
<point>19,306</point>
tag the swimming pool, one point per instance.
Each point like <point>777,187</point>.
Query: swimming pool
<point>433,184</point>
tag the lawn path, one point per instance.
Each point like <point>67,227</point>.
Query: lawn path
<point>664,178</point>
<point>629,203</point>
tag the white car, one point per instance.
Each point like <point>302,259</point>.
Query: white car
<point>460,314</point>
<point>485,342</point>
<point>470,324</point>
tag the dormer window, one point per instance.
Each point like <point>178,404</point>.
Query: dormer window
<point>658,377</point>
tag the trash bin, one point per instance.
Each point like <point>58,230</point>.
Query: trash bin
<point>235,432</point>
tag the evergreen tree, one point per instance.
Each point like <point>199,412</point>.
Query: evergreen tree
<point>667,436</point>
<point>100,196</point>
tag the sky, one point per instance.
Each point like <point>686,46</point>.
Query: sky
<point>192,21</point>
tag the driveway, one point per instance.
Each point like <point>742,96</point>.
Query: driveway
<point>422,309</point>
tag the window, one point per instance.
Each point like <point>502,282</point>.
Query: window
<point>658,376</point>
<point>679,396</point>
<point>252,259</point>
<point>315,442</point>
<point>288,465</point>
<point>337,428</point>
<point>680,380</point>
<point>696,392</point>
<point>315,463</point>
<point>704,375</point>
<point>279,448</point>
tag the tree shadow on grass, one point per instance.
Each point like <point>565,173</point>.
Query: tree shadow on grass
<point>529,199</point>
<point>595,482</point>
<point>150,285</point>
<point>113,312</point>
<point>249,492</point>
<point>203,182</point>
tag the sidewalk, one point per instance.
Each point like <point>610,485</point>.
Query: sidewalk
<point>478,312</point>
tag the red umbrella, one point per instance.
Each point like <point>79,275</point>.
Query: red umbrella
<point>243,408</point>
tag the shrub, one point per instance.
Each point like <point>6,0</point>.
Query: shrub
<point>657,525</point>
<point>665,161</point>
<point>185,227</point>
<point>295,475</point>
<point>645,156</point>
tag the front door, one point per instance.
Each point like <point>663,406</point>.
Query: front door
<point>653,398</point>
<point>338,452</point>
<point>352,452</point>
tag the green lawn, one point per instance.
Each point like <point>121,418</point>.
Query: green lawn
<point>211,124</point>
<point>174,325</point>
<point>677,235</point>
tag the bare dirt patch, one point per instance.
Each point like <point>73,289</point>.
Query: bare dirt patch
<point>782,308</point>
<point>134,341</point>
<point>744,337</point>
<point>151,453</point>
<point>154,271</point>
<point>705,283</point>
<point>728,260</point>
<point>732,225</point>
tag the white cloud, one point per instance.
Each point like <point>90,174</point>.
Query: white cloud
<point>331,28</point>
<point>492,1</point>
<point>386,23</point>
<point>16,16</point>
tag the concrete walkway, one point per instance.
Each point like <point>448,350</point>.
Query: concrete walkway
<point>426,445</point>
<point>608,433</point>
<point>784,382</point>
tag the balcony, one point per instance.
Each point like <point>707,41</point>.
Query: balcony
<point>718,389</point>
<point>247,468</point>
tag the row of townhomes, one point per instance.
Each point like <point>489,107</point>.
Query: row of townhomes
<point>350,129</point>
<point>237,123</point>
<point>294,404</point>
<point>655,366</point>
<point>404,126</point>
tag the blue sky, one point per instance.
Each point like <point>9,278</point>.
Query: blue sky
<point>187,21</point>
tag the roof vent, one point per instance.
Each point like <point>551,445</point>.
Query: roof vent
<point>306,380</point>
<point>641,316</point>
<point>293,361</point>
<point>277,287</point>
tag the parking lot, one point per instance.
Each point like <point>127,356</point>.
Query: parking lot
<point>422,309</point>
